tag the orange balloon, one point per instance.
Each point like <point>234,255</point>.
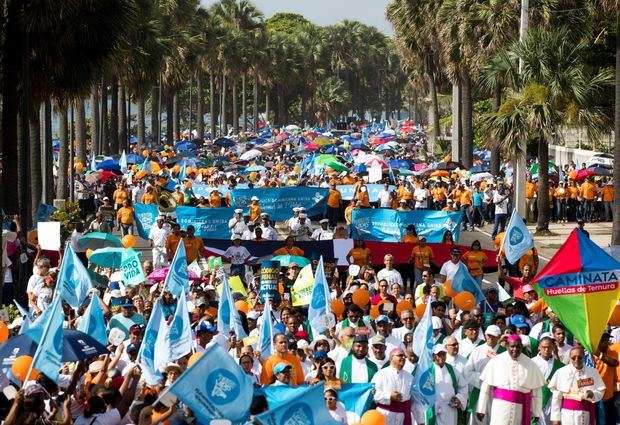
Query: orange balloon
<point>614,320</point>
<point>193,358</point>
<point>188,184</point>
<point>403,305</point>
<point>79,166</point>
<point>253,175</point>
<point>337,307</point>
<point>88,253</point>
<point>176,168</point>
<point>297,169</point>
<point>145,153</point>
<point>242,306</point>
<point>4,332</point>
<point>361,297</point>
<point>21,366</point>
<point>278,167</point>
<point>538,306</point>
<point>128,241</point>
<point>448,289</point>
<point>464,300</point>
<point>374,312</point>
<point>420,309</point>
<point>372,417</point>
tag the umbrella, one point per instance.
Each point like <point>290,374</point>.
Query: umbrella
<point>360,145</point>
<point>481,176</point>
<point>255,168</point>
<point>132,158</point>
<point>285,260</point>
<point>259,141</point>
<point>107,257</point>
<point>449,165</point>
<point>361,168</point>
<point>98,240</point>
<point>440,173</point>
<point>109,165</point>
<point>377,161</point>
<point>159,275</point>
<point>582,174</point>
<point>481,168</point>
<point>400,163</point>
<point>405,172</point>
<point>251,154</point>
<point>224,142</point>
<point>291,127</point>
<point>76,346</point>
<point>385,147</point>
<point>92,178</point>
<point>321,141</point>
<point>600,171</point>
<point>333,149</point>
<point>336,166</point>
<point>282,136</point>
<point>324,158</point>
<point>310,147</point>
<point>185,146</point>
<point>534,168</point>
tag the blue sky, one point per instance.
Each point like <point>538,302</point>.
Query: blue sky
<point>327,12</point>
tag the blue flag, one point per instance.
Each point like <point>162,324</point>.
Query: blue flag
<point>146,165</point>
<point>215,387</point>
<point>518,239</point>
<point>462,281</point>
<point>93,321</point>
<point>93,165</point>
<point>307,408</point>
<point>123,162</point>
<point>178,277</point>
<point>146,355</point>
<point>183,172</point>
<point>227,315</point>
<point>423,386</point>
<point>319,306</point>
<point>175,340</point>
<point>392,177</point>
<point>73,279</point>
<point>267,332</point>
<point>47,358</point>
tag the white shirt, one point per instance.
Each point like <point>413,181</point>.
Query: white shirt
<point>388,380</point>
<point>448,269</point>
<point>421,195</point>
<point>384,198</point>
<point>159,235</point>
<point>321,234</point>
<point>466,346</point>
<point>399,333</point>
<point>478,359</point>
<point>111,417</point>
<point>501,206</point>
<point>458,362</point>
<point>236,226</point>
<point>339,415</point>
<point>75,245</point>
<point>269,233</point>
<point>359,370</point>
<point>248,235</point>
<point>237,254</point>
<point>392,276</point>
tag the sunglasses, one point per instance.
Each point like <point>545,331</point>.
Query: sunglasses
<point>456,344</point>
<point>324,344</point>
<point>399,355</point>
<point>328,367</point>
<point>407,318</point>
<point>330,399</point>
<point>577,358</point>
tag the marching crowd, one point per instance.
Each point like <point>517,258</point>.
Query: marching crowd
<point>508,362</point>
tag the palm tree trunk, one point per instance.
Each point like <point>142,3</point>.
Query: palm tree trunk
<point>104,143</point>
<point>140,117</point>
<point>176,114</point>
<point>113,134</point>
<point>122,119</point>
<point>170,117</point>
<point>200,106</point>
<point>223,124</point>
<point>62,191</point>
<point>94,118</point>
<point>212,119</point>
<point>615,231</point>
<point>235,109</point>
<point>466,111</point>
<point>255,102</point>
<point>48,154</point>
<point>302,107</point>
<point>281,118</point>
<point>434,119</point>
<point>543,185</point>
<point>496,102</point>
<point>80,131</point>
<point>155,114</point>
<point>267,99</point>
<point>35,162</point>
<point>23,175</point>
<point>244,106</point>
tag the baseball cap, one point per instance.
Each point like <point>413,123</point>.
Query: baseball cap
<point>360,338</point>
<point>528,288</point>
<point>254,198</point>
<point>471,324</point>
<point>519,321</point>
<point>126,302</point>
<point>320,354</point>
<point>303,335</point>
<point>491,289</point>
<point>206,326</point>
<point>377,340</point>
<point>253,315</point>
<point>281,367</point>
<point>493,330</point>
<point>436,322</point>
<point>133,348</point>
<point>238,211</point>
<point>382,319</point>
<point>324,221</point>
<point>439,348</point>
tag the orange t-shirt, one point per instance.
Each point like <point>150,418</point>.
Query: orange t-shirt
<point>410,239</point>
<point>405,193</point>
<point>588,191</point>
<point>215,200</point>
<point>421,256</point>
<point>530,190</point>
<point>192,248</point>
<point>439,193</point>
<point>465,198</point>
<point>297,374</point>
<point>125,215</point>
<point>119,196</point>
<point>254,212</point>
<point>364,199</point>
<point>172,242</point>
<point>474,260</point>
<point>608,193</point>
<point>573,192</point>
<point>360,256</point>
<point>498,241</point>
<point>608,373</point>
<point>149,198</point>
<point>560,193</point>
<point>334,198</point>
<point>293,251</point>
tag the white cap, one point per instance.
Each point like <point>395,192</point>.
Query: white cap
<point>210,288</point>
<point>324,221</point>
<point>439,348</point>
<point>253,314</point>
<point>238,211</point>
<point>254,198</point>
<point>541,336</point>
<point>436,322</point>
<point>251,223</point>
<point>493,330</point>
<point>236,237</point>
<point>302,215</point>
<point>301,344</point>
<point>296,209</point>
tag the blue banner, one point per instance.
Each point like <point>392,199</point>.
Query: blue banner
<point>205,189</point>
<point>279,202</point>
<point>44,211</point>
<point>347,191</point>
<point>391,225</point>
<point>210,223</point>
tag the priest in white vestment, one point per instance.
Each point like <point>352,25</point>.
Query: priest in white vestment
<point>393,390</point>
<point>576,389</point>
<point>450,389</point>
<point>512,383</point>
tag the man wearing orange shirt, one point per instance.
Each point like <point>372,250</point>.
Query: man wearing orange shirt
<point>421,256</point>
<point>334,204</point>
<point>120,195</point>
<point>608,200</point>
<point>530,198</point>
<point>439,196</point>
<point>362,196</point>
<point>125,217</point>
<point>588,194</point>
<point>280,344</point>
<point>466,207</point>
<point>215,199</point>
<point>606,361</point>
<point>193,245</point>
<point>172,242</point>
<point>149,196</point>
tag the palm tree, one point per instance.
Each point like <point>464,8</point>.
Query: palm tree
<point>332,98</point>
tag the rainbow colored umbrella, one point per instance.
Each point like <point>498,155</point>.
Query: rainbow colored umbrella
<point>580,284</point>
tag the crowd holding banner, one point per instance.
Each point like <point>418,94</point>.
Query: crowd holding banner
<point>264,298</point>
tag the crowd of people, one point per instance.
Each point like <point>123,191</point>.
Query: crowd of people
<point>497,361</point>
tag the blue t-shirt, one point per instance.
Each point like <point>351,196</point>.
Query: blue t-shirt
<point>477,197</point>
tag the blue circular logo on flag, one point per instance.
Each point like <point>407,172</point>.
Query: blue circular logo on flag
<point>516,236</point>
<point>225,312</point>
<point>222,387</point>
<point>318,297</point>
<point>427,383</point>
<point>299,413</point>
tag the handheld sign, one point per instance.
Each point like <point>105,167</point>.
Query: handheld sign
<point>269,273</point>
<point>132,269</point>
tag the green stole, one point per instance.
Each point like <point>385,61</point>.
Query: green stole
<point>533,350</point>
<point>430,418</point>
<point>346,323</point>
<point>480,342</point>
<point>346,365</point>
<point>546,392</point>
